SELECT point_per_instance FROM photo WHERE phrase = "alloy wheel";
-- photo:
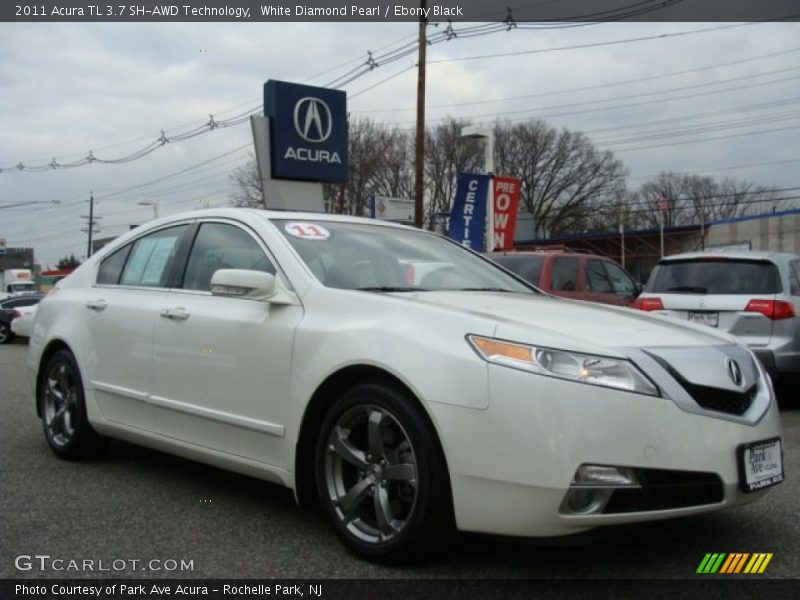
(370, 473)
(60, 402)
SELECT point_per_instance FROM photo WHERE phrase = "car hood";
(572, 324)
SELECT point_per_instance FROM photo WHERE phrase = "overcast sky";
(721, 101)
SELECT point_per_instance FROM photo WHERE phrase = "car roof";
(233, 212)
(734, 254)
(502, 253)
(237, 213)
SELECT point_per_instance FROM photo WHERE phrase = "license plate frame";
(704, 317)
(760, 464)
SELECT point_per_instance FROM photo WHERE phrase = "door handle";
(97, 305)
(175, 314)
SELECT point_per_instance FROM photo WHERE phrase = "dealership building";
(639, 250)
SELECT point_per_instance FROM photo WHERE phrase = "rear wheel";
(66, 426)
(381, 476)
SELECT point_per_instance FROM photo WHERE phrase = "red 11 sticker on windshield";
(307, 231)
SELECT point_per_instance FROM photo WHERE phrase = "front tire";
(63, 406)
(6, 335)
(381, 476)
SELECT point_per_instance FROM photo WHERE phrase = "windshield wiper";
(389, 288)
(690, 289)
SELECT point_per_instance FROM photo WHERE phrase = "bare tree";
(379, 163)
(567, 184)
(565, 179)
(669, 188)
(446, 155)
(692, 199)
(246, 184)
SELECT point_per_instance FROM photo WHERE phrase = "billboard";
(308, 131)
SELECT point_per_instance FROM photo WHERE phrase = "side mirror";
(255, 285)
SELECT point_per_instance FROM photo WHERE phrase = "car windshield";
(367, 257)
(715, 276)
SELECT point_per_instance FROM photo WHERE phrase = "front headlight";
(608, 372)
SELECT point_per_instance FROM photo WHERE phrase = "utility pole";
(90, 224)
(420, 142)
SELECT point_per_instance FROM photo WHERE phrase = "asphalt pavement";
(140, 505)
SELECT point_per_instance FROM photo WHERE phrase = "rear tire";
(64, 419)
(381, 476)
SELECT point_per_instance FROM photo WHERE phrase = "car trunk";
(728, 294)
(724, 312)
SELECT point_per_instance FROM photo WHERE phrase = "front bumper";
(512, 464)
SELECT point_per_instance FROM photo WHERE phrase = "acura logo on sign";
(312, 119)
(734, 372)
(308, 131)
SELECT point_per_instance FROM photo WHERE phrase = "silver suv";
(754, 296)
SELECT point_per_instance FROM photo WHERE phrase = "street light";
(153, 203)
(474, 132)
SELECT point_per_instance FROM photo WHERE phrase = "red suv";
(572, 275)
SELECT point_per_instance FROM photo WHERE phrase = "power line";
(371, 63)
(663, 96)
(588, 45)
(718, 169)
(182, 171)
(588, 87)
(707, 139)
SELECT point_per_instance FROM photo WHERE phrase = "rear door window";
(597, 280)
(622, 283)
(715, 276)
(151, 257)
(564, 274)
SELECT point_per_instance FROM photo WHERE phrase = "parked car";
(22, 320)
(572, 275)
(754, 296)
(7, 308)
(292, 347)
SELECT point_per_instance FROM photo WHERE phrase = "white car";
(22, 323)
(293, 348)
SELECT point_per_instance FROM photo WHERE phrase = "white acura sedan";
(307, 350)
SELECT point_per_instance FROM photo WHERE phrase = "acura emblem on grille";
(734, 372)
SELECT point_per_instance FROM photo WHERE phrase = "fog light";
(605, 476)
(582, 500)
